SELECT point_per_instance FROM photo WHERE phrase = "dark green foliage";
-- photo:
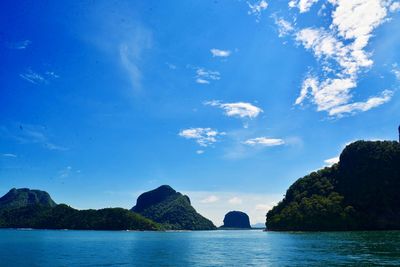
(236, 219)
(361, 192)
(65, 217)
(17, 198)
(25, 208)
(172, 209)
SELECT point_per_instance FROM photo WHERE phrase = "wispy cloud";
(220, 53)
(210, 199)
(372, 102)
(284, 26)
(19, 45)
(30, 134)
(235, 201)
(264, 142)
(396, 71)
(33, 77)
(131, 51)
(65, 172)
(204, 76)
(237, 109)
(9, 155)
(203, 136)
(256, 8)
(171, 66)
(37, 78)
(395, 6)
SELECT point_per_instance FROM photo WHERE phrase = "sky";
(227, 101)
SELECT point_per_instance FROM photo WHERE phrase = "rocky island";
(171, 209)
(26, 208)
(361, 192)
(236, 220)
(160, 209)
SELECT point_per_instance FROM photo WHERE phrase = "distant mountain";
(172, 209)
(361, 192)
(18, 198)
(25, 208)
(236, 220)
(258, 225)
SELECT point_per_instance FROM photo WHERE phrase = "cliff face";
(236, 219)
(358, 193)
(23, 197)
(172, 209)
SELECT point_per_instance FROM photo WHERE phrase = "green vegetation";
(17, 198)
(172, 209)
(358, 193)
(25, 208)
(65, 217)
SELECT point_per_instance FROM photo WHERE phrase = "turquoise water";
(213, 248)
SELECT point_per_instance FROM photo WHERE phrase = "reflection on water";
(213, 248)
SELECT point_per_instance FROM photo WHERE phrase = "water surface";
(209, 248)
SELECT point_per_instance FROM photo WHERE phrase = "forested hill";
(26, 208)
(361, 192)
(172, 209)
(17, 198)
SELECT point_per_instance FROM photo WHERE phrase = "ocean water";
(209, 248)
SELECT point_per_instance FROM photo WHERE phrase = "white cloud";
(395, 6)
(202, 81)
(264, 207)
(52, 74)
(203, 136)
(302, 5)
(284, 26)
(264, 141)
(331, 161)
(396, 71)
(30, 134)
(9, 155)
(204, 76)
(238, 109)
(64, 173)
(200, 152)
(171, 66)
(372, 102)
(19, 45)
(36, 78)
(340, 48)
(235, 201)
(33, 77)
(131, 50)
(220, 53)
(327, 95)
(257, 8)
(210, 199)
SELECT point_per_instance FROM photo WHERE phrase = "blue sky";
(227, 101)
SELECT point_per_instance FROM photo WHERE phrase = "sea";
(26, 247)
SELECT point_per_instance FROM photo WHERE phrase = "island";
(26, 208)
(361, 192)
(170, 208)
(236, 220)
(160, 209)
